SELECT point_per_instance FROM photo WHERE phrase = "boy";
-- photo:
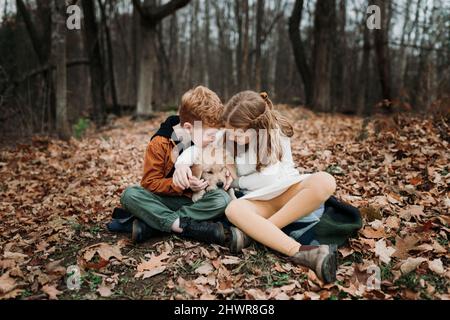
(162, 202)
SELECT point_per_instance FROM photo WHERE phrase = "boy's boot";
(204, 231)
(122, 221)
(321, 259)
(141, 232)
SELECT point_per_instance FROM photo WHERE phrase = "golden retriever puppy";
(214, 166)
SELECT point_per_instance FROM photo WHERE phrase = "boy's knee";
(218, 199)
(128, 195)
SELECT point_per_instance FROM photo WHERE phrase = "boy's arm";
(154, 179)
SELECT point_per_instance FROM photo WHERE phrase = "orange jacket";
(158, 163)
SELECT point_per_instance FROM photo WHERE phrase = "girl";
(275, 193)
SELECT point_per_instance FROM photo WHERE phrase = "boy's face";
(201, 135)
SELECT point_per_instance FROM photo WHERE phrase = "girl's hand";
(181, 177)
(197, 184)
(228, 181)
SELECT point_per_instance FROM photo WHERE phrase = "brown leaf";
(205, 268)
(153, 266)
(412, 212)
(403, 246)
(7, 283)
(104, 291)
(371, 233)
(51, 291)
(255, 294)
(411, 264)
(104, 250)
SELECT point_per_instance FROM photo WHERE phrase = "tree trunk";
(92, 44)
(245, 46)
(109, 51)
(151, 15)
(59, 58)
(207, 59)
(299, 51)
(146, 71)
(323, 30)
(340, 81)
(364, 75)
(259, 25)
(381, 37)
(239, 53)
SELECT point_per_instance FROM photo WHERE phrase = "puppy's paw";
(198, 195)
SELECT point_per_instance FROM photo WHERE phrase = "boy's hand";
(181, 177)
(228, 182)
(197, 184)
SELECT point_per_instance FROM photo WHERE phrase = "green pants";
(160, 212)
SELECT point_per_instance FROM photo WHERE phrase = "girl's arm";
(269, 174)
(257, 180)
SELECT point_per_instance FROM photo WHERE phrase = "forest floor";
(55, 198)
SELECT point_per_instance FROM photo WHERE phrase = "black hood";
(166, 129)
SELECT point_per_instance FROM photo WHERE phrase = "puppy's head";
(214, 167)
(214, 175)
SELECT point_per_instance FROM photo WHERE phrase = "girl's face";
(240, 136)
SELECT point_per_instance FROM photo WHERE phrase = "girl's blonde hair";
(250, 110)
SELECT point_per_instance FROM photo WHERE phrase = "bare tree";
(59, 58)
(323, 30)
(301, 59)
(92, 44)
(381, 37)
(150, 15)
(110, 55)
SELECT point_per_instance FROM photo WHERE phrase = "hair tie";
(264, 95)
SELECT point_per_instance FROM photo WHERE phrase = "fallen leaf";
(104, 250)
(393, 222)
(383, 252)
(231, 260)
(436, 266)
(51, 291)
(205, 268)
(7, 283)
(412, 212)
(371, 233)
(104, 291)
(255, 294)
(346, 251)
(411, 264)
(153, 266)
(403, 246)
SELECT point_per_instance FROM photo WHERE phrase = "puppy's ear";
(197, 170)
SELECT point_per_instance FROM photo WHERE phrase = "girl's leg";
(303, 198)
(252, 218)
(262, 220)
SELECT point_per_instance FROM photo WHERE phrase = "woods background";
(137, 57)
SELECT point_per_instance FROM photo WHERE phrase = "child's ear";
(187, 126)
